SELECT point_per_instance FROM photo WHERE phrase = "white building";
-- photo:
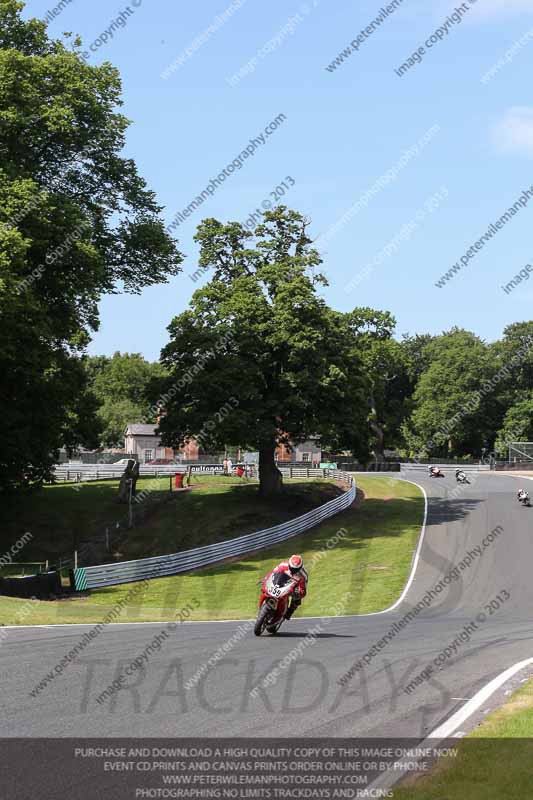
(142, 441)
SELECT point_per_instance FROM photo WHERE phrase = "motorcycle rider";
(295, 568)
(522, 495)
(430, 470)
(459, 474)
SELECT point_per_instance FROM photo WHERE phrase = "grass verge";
(371, 561)
(215, 509)
(492, 763)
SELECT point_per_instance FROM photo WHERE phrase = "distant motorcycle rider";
(295, 568)
(522, 495)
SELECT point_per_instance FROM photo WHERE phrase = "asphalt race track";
(306, 698)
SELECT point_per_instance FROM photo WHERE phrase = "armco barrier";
(159, 566)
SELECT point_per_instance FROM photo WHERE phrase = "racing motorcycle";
(273, 602)
(461, 477)
(436, 472)
(524, 498)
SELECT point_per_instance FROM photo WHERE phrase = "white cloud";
(514, 132)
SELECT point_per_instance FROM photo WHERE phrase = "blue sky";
(344, 129)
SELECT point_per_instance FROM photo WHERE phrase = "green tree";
(515, 351)
(517, 424)
(386, 367)
(513, 358)
(76, 222)
(259, 358)
(121, 385)
(114, 416)
(452, 415)
(417, 355)
(124, 376)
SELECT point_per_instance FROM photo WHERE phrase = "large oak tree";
(259, 358)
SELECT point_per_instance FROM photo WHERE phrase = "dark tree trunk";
(379, 447)
(270, 479)
(131, 473)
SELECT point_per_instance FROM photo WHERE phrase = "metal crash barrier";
(159, 566)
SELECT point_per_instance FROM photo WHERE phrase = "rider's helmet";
(295, 565)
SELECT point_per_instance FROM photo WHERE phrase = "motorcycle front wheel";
(261, 621)
(273, 629)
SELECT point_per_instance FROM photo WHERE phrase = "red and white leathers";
(302, 577)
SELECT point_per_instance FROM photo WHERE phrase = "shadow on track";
(297, 635)
(446, 509)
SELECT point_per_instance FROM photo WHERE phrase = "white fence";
(159, 566)
(95, 472)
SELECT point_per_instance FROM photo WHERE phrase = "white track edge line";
(415, 559)
(447, 728)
